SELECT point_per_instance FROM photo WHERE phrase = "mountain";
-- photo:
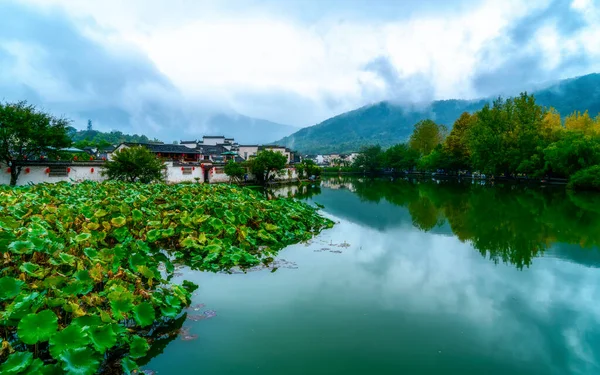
(247, 130)
(387, 123)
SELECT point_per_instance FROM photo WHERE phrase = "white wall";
(247, 151)
(37, 175)
(174, 174)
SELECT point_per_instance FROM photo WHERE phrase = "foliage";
(337, 170)
(134, 164)
(387, 124)
(101, 140)
(369, 159)
(426, 136)
(235, 171)
(456, 145)
(572, 152)
(400, 157)
(85, 271)
(27, 133)
(586, 179)
(264, 163)
(308, 168)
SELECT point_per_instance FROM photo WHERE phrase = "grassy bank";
(86, 267)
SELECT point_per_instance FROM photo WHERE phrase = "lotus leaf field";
(86, 267)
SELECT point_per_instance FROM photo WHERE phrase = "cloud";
(295, 62)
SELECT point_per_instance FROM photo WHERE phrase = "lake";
(415, 278)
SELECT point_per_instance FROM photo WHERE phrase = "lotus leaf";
(32, 269)
(100, 213)
(138, 347)
(129, 366)
(72, 337)
(144, 314)
(9, 287)
(118, 221)
(80, 361)
(82, 237)
(34, 328)
(103, 337)
(21, 247)
(16, 363)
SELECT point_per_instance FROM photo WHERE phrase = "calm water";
(429, 278)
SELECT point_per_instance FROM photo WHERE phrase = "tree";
(400, 157)
(27, 133)
(308, 168)
(134, 164)
(89, 125)
(573, 152)
(426, 136)
(235, 171)
(370, 159)
(264, 163)
(456, 145)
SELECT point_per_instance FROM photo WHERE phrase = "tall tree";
(27, 133)
(264, 163)
(426, 136)
(134, 164)
(89, 125)
(456, 145)
(400, 157)
(235, 171)
(369, 159)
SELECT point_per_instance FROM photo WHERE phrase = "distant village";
(201, 160)
(220, 149)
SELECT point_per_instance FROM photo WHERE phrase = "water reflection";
(508, 223)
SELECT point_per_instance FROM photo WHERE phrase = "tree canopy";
(235, 171)
(134, 164)
(264, 163)
(27, 133)
(426, 136)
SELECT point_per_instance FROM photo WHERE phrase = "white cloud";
(228, 51)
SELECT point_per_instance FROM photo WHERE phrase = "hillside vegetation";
(386, 123)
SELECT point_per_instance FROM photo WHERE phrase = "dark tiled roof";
(183, 142)
(165, 148)
(211, 150)
(213, 136)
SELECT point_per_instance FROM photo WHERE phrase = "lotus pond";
(86, 283)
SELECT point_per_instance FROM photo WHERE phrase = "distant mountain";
(247, 130)
(387, 123)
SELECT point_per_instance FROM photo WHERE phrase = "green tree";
(27, 133)
(134, 164)
(400, 157)
(235, 171)
(89, 126)
(456, 145)
(370, 159)
(572, 152)
(308, 168)
(264, 163)
(426, 136)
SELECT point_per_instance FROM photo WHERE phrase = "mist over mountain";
(387, 123)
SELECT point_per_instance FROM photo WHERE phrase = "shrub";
(586, 179)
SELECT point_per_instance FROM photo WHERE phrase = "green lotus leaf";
(170, 232)
(138, 347)
(129, 366)
(93, 226)
(200, 219)
(36, 367)
(54, 281)
(120, 303)
(82, 237)
(32, 269)
(55, 302)
(55, 369)
(67, 258)
(103, 337)
(118, 221)
(169, 311)
(34, 328)
(230, 216)
(21, 247)
(78, 288)
(16, 363)
(90, 253)
(9, 287)
(271, 227)
(80, 361)
(100, 213)
(146, 272)
(82, 275)
(153, 235)
(87, 321)
(72, 337)
(121, 234)
(144, 314)
(136, 260)
(137, 215)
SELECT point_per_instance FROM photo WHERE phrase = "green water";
(436, 278)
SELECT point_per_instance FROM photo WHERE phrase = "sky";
(161, 67)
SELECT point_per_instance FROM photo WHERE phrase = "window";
(186, 170)
(58, 171)
(206, 157)
(219, 170)
(245, 155)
